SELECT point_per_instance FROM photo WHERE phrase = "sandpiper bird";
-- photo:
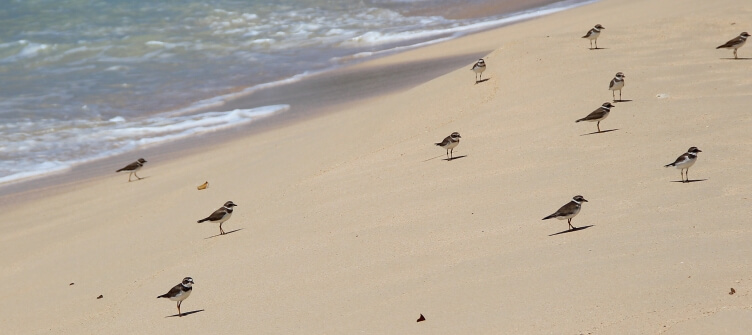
(593, 34)
(180, 292)
(221, 215)
(568, 211)
(735, 43)
(598, 114)
(616, 85)
(133, 167)
(449, 143)
(478, 68)
(685, 161)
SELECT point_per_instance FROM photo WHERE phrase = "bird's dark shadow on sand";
(626, 100)
(430, 159)
(600, 132)
(740, 58)
(482, 81)
(598, 48)
(135, 180)
(226, 233)
(688, 181)
(572, 230)
(185, 314)
(453, 158)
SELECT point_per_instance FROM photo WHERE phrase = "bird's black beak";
(584, 200)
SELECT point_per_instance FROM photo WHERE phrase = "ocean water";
(86, 79)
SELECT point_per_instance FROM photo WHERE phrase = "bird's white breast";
(182, 295)
(565, 217)
(686, 164)
(225, 218)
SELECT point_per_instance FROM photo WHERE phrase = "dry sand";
(352, 223)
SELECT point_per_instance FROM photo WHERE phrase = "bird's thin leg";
(221, 231)
(569, 221)
(687, 174)
(596, 44)
(447, 153)
(481, 76)
(599, 126)
(179, 314)
(591, 44)
(129, 176)
(451, 153)
(735, 54)
(136, 174)
(613, 95)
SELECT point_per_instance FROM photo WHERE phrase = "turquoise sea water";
(86, 79)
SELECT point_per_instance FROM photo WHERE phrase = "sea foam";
(88, 140)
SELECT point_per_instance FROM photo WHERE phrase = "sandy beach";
(351, 221)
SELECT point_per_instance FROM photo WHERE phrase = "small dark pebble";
(71, 284)
(732, 291)
(100, 296)
(421, 318)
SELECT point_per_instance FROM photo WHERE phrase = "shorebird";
(616, 85)
(221, 215)
(449, 143)
(685, 161)
(598, 115)
(735, 43)
(568, 211)
(180, 292)
(478, 68)
(133, 167)
(593, 34)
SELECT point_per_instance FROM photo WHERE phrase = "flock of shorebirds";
(572, 208)
(182, 290)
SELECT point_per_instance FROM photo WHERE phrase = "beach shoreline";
(170, 122)
(351, 219)
(341, 86)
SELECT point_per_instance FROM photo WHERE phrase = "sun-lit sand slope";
(353, 223)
